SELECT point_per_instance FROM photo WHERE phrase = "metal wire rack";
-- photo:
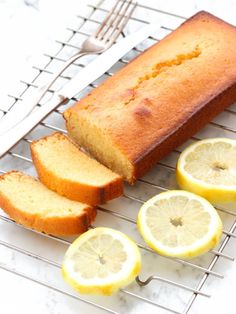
(159, 273)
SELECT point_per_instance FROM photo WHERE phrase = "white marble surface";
(27, 30)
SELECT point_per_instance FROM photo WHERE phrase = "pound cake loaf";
(65, 169)
(160, 99)
(31, 204)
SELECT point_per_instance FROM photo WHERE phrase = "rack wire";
(120, 213)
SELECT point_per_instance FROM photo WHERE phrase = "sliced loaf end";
(99, 144)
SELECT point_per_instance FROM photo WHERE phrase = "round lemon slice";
(101, 261)
(179, 224)
(208, 168)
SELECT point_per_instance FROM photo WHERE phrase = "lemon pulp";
(208, 168)
(179, 224)
(101, 261)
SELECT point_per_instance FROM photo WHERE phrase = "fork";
(98, 42)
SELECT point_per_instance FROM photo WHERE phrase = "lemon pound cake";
(31, 204)
(64, 168)
(160, 99)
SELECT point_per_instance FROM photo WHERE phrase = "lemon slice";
(179, 224)
(101, 261)
(208, 168)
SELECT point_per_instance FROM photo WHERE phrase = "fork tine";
(118, 15)
(121, 16)
(104, 23)
(116, 32)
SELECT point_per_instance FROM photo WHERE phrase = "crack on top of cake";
(162, 67)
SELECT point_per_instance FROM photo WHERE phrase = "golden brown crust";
(54, 225)
(167, 94)
(75, 190)
(190, 127)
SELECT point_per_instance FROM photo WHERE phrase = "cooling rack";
(161, 279)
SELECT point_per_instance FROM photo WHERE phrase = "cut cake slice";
(30, 203)
(64, 168)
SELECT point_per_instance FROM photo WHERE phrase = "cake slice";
(160, 99)
(64, 168)
(31, 204)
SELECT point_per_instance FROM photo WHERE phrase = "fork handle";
(43, 89)
(18, 113)
(19, 130)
